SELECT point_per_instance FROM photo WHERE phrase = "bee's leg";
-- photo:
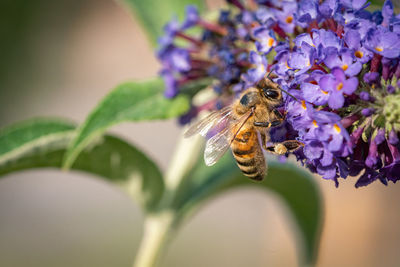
(267, 124)
(278, 114)
(284, 147)
(264, 139)
(280, 148)
(274, 123)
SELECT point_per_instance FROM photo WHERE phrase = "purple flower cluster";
(339, 61)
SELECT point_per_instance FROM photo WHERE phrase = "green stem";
(157, 231)
(158, 227)
(185, 157)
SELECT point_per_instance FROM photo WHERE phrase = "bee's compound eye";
(244, 100)
(270, 93)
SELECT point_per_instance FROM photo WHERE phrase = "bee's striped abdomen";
(248, 154)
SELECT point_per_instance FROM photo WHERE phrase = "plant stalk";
(185, 157)
(157, 231)
(158, 227)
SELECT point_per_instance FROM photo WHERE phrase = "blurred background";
(59, 58)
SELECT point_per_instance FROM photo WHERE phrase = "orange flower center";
(270, 41)
(337, 128)
(339, 86)
(315, 123)
(379, 48)
(289, 19)
(303, 104)
(324, 92)
(359, 54)
(345, 67)
(254, 24)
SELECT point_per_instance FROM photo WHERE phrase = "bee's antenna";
(268, 75)
(289, 94)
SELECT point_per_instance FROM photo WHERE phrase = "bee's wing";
(217, 145)
(203, 126)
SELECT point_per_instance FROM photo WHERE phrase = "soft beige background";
(78, 51)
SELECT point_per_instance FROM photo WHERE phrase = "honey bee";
(242, 125)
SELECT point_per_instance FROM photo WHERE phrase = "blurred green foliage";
(153, 14)
(22, 24)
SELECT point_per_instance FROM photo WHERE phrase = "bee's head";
(272, 94)
(270, 91)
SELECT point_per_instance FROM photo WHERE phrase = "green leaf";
(293, 185)
(43, 143)
(154, 14)
(128, 102)
(17, 139)
(377, 3)
(192, 88)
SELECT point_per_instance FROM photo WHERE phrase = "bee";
(244, 127)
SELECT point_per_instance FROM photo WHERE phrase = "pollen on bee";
(345, 67)
(339, 86)
(337, 128)
(359, 54)
(303, 104)
(379, 48)
(289, 19)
